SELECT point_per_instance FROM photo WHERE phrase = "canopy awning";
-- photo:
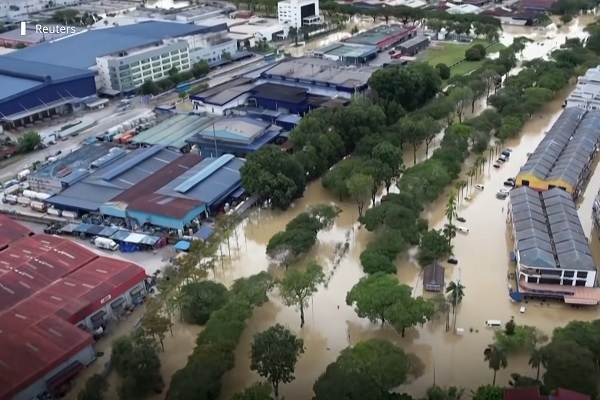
(64, 376)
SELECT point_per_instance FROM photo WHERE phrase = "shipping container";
(43, 196)
(12, 190)
(23, 200)
(70, 214)
(23, 174)
(38, 206)
(54, 211)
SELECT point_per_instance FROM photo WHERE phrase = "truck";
(38, 206)
(70, 214)
(24, 201)
(23, 174)
(104, 243)
(54, 211)
(124, 105)
(9, 199)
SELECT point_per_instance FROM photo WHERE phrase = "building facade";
(586, 94)
(298, 13)
(19, 10)
(127, 70)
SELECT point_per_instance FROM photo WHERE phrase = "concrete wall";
(220, 109)
(82, 87)
(85, 356)
(214, 52)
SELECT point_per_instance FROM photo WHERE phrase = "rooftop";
(433, 276)
(81, 158)
(235, 129)
(35, 262)
(564, 152)
(224, 93)
(587, 89)
(548, 231)
(414, 41)
(533, 393)
(378, 34)
(350, 50)
(11, 231)
(314, 70)
(112, 179)
(173, 132)
(32, 36)
(37, 334)
(143, 197)
(281, 93)
(210, 181)
(100, 42)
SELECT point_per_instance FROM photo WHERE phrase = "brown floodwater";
(483, 268)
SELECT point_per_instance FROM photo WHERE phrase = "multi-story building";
(126, 70)
(19, 10)
(298, 13)
(552, 253)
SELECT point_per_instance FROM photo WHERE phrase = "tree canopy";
(198, 300)
(298, 286)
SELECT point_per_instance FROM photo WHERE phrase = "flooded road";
(483, 268)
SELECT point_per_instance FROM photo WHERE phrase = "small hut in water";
(433, 277)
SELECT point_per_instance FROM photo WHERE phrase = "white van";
(480, 187)
(493, 323)
(462, 229)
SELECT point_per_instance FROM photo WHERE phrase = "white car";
(462, 229)
(503, 190)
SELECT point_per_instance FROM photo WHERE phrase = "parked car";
(452, 261)
(461, 219)
(509, 183)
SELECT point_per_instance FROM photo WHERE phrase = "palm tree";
(456, 294)
(471, 174)
(496, 359)
(450, 232)
(449, 228)
(536, 360)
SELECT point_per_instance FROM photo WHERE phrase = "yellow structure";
(563, 157)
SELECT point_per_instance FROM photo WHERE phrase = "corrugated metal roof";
(548, 231)
(104, 41)
(12, 85)
(567, 148)
(37, 334)
(11, 231)
(219, 184)
(174, 131)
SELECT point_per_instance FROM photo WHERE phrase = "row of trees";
(174, 78)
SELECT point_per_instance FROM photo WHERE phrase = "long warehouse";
(553, 255)
(563, 157)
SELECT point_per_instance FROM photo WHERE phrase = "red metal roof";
(47, 283)
(564, 394)
(11, 231)
(35, 262)
(143, 197)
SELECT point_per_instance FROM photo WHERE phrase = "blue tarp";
(182, 245)
(516, 296)
(204, 232)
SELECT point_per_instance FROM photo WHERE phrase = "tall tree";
(456, 293)
(297, 287)
(359, 187)
(274, 355)
(95, 388)
(368, 370)
(496, 359)
(433, 247)
(390, 156)
(258, 391)
(570, 366)
(461, 97)
(373, 296)
(536, 359)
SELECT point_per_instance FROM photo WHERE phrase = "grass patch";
(454, 52)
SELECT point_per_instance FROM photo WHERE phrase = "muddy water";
(483, 268)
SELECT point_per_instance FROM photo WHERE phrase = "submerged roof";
(548, 230)
(567, 147)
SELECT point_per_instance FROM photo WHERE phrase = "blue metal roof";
(213, 188)
(42, 70)
(104, 41)
(12, 86)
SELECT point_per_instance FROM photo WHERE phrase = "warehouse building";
(414, 46)
(51, 78)
(179, 193)
(239, 136)
(173, 132)
(384, 37)
(551, 250)
(11, 231)
(347, 53)
(119, 171)
(56, 294)
(586, 94)
(563, 158)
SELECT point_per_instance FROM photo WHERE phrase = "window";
(569, 274)
(525, 183)
(551, 187)
(568, 282)
(582, 274)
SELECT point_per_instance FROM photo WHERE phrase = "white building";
(128, 70)
(260, 29)
(586, 94)
(19, 10)
(298, 13)
(463, 9)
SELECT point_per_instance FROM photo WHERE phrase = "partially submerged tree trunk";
(301, 316)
